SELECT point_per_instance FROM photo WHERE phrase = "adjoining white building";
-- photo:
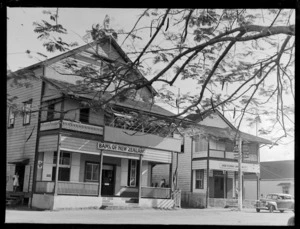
(208, 168)
(275, 177)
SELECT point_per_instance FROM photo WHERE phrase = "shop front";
(221, 182)
(90, 170)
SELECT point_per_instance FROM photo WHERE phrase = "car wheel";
(271, 208)
(291, 221)
(281, 211)
(257, 210)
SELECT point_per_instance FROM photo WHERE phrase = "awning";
(19, 161)
(284, 184)
(228, 134)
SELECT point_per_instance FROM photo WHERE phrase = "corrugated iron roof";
(67, 88)
(275, 170)
(225, 133)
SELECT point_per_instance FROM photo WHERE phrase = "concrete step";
(13, 201)
(114, 207)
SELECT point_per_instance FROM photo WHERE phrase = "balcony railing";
(71, 125)
(44, 187)
(77, 188)
(153, 192)
(68, 188)
(126, 122)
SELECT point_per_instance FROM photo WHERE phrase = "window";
(199, 179)
(132, 170)
(229, 146)
(200, 144)
(285, 189)
(64, 158)
(11, 118)
(84, 115)
(63, 174)
(91, 171)
(26, 110)
(50, 114)
(64, 166)
(182, 147)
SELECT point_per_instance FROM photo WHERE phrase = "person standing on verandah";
(16, 181)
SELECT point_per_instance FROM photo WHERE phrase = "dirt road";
(210, 216)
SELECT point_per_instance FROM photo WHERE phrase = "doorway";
(20, 169)
(218, 182)
(108, 180)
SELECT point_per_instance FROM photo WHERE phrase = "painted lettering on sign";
(120, 148)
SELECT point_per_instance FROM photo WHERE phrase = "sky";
(20, 37)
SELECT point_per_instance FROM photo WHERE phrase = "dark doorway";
(218, 187)
(108, 175)
(20, 169)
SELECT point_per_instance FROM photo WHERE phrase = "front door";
(107, 187)
(219, 187)
(20, 169)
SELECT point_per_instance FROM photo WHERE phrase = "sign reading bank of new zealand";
(120, 148)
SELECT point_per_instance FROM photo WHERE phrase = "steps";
(119, 203)
(13, 198)
(13, 201)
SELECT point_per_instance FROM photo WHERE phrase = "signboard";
(233, 166)
(120, 148)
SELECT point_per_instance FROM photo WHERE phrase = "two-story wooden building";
(208, 168)
(69, 155)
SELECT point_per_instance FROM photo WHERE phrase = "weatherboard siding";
(17, 146)
(184, 166)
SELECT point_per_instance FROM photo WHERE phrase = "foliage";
(237, 60)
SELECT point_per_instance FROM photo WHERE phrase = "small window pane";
(26, 109)
(199, 179)
(133, 166)
(92, 171)
(11, 118)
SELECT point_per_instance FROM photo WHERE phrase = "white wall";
(75, 167)
(47, 166)
(124, 171)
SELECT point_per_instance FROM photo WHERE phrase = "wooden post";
(192, 177)
(258, 186)
(225, 188)
(207, 175)
(140, 178)
(240, 195)
(171, 174)
(58, 145)
(176, 172)
(100, 172)
(57, 165)
(258, 175)
(35, 163)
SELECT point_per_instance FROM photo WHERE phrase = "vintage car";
(275, 201)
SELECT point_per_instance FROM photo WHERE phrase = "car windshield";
(269, 197)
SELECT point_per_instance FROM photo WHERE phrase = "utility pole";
(240, 189)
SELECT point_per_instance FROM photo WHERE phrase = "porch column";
(207, 175)
(258, 185)
(57, 165)
(171, 173)
(140, 178)
(61, 118)
(225, 188)
(100, 172)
